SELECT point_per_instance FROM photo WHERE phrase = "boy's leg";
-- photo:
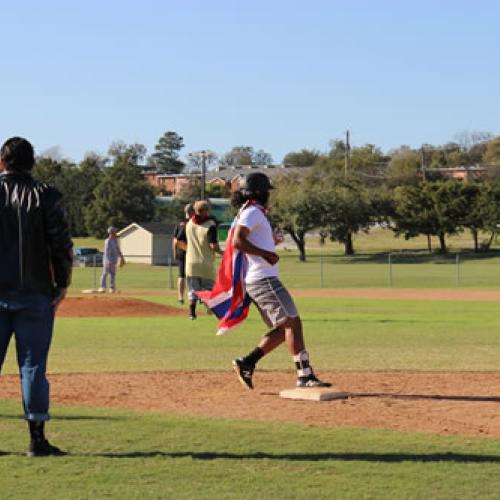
(33, 332)
(194, 284)
(104, 277)
(277, 309)
(5, 331)
(33, 326)
(112, 277)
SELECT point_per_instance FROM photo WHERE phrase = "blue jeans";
(30, 317)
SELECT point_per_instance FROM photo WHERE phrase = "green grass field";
(342, 334)
(130, 455)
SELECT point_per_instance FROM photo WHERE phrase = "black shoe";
(181, 301)
(311, 381)
(244, 372)
(43, 449)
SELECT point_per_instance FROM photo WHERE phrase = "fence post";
(170, 274)
(390, 270)
(457, 260)
(95, 271)
(321, 282)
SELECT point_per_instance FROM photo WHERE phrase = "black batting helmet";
(256, 183)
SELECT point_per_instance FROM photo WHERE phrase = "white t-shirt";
(261, 235)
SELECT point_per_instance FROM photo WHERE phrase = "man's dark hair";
(17, 154)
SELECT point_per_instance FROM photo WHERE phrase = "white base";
(313, 394)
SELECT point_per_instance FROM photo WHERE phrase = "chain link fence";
(380, 270)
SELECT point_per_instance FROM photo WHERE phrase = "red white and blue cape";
(228, 299)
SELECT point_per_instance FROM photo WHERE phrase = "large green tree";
(346, 209)
(302, 158)
(434, 208)
(404, 167)
(76, 183)
(166, 156)
(296, 207)
(121, 197)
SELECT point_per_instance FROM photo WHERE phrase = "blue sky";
(277, 75)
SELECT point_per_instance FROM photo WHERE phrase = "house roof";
(150, 227)
(231, 173)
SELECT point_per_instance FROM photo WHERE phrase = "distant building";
(462, 172)
(227, 176)
(147, 243)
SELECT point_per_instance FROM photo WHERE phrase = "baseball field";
(147, 405)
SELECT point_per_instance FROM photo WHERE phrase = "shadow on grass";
(308, 457)
(67, 417)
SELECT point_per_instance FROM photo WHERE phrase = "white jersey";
(261, 235)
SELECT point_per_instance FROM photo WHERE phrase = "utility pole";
(422, 163)
(203, 172)
(347, 155)
(201, 158)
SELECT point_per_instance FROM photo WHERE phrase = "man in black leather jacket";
(35, 271)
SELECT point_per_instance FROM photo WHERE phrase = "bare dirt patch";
(443, 403)
(98, 306)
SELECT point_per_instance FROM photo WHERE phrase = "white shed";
(147, 243)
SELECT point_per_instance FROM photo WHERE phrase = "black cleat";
(43, 449)
(244, 372)
(311, 381)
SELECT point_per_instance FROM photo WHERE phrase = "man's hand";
(60, 296)
(122, 261)
(271, 257)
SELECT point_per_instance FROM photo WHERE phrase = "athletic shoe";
(101, 290)
(311, 381)
(192, 317)
(244, 372)
(181, 301)
(43, 449)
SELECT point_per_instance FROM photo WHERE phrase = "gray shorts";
(272, 300)
(196, 284)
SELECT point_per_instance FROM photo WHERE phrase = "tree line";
(349, 191)
(345, 190)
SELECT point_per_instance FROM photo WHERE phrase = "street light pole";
(203, 172)
(201, 161)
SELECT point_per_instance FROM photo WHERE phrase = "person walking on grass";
(254, 236)
(199, 239)
(180, 253)
(35, 271)
(112, 255)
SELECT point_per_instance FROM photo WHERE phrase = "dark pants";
(30, 318)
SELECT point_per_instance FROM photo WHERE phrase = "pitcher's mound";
(81, 307)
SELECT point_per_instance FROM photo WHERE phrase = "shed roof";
(150, 227)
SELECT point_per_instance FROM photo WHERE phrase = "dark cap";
(256, 182)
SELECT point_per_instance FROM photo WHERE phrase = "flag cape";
(228, 299)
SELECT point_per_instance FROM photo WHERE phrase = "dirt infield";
(443, 403)
(98, 306)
